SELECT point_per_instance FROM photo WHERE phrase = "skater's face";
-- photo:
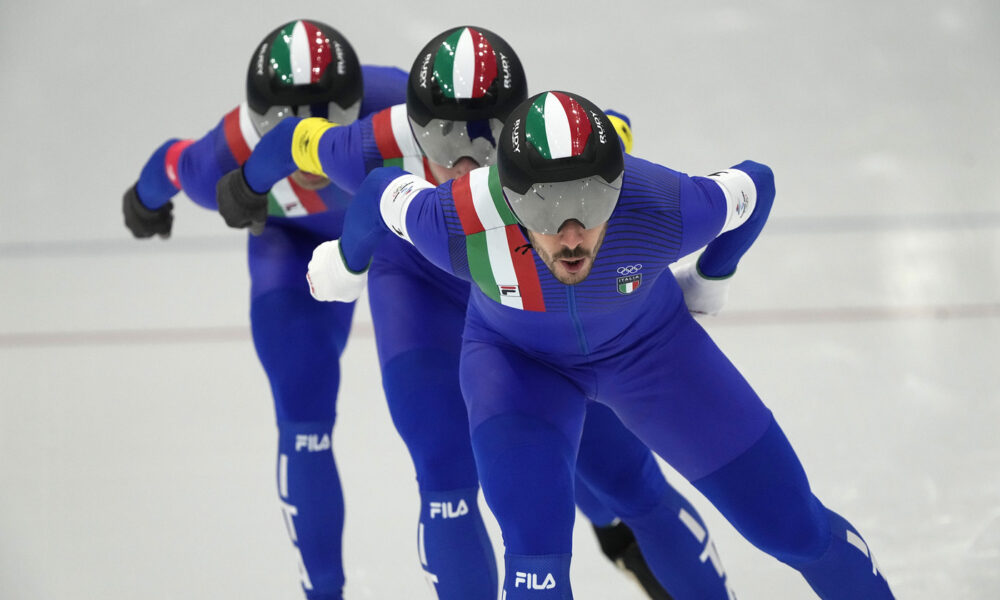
(461, 167)
(310, 181)
(570, 252)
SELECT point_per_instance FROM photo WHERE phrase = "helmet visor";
(445, 142)
(546, 206)
(330, 111)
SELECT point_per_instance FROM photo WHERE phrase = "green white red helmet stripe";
(557, 126)
(493, 238)
(465, 65)
(300, 53)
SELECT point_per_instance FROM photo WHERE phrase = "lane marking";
(791, 316)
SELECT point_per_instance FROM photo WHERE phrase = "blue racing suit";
(536, 353)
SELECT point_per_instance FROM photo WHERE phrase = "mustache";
(573, 254)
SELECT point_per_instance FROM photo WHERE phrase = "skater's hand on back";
(329, 277)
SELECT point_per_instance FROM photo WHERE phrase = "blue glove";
(722, 254)
(271, 159)
(363, 225)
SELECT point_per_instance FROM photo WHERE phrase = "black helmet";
(462, 86)
(303, 68)
(560, 159)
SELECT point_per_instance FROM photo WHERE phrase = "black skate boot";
(619, 545)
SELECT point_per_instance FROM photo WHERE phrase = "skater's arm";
(390, 201)
(191, 166)
(321, 147)
(734, 204)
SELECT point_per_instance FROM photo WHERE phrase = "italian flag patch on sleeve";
(289, 199)
(500, 260)
(395, 142)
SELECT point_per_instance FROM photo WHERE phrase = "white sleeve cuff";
(396, 200)
(741, 196)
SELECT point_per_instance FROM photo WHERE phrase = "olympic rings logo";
(629, 270)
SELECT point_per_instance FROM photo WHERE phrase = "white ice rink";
(136, 427)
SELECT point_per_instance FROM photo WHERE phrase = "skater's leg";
(299, 342)
(418, 325)
(526, 423)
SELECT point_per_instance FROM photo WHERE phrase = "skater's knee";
(629, 478)
(429, 413)
(764, 493)
(534, 507)
(801, 538)
(630, 488)
(299, 347)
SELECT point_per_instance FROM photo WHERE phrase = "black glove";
(144, 222)
(239, 205)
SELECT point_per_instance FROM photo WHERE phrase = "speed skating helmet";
(559, 160)
(307, 69)
(462, 86)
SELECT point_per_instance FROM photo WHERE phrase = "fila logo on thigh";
(530, 581)
(446, 510)
(312, 442)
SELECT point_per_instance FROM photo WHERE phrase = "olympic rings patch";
(629, 269)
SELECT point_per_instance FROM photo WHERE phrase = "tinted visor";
(444, 142)
(546, 206)
(330, 111)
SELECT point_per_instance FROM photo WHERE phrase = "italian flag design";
(286, 198)
(300, 53)
(241, 137)
(629, 284)
(395, 142)
(465, 65)
(557, 126)
(495, 246)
